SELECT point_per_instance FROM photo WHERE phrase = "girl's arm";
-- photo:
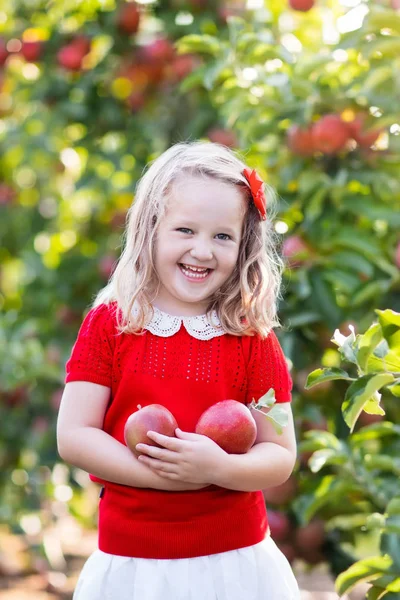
(196, 458)
(268, 463)
(82, 442)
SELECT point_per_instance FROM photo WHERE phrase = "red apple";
(55, 399)
(300, 140)
(136, 101)
(7, 194)
(364, 137)
(3, 52)
(181, 67)
(330, 134)
(107, 265)
(128, 18)
(279, 525)
(226, 137)
(153, 417)
(295, 250)
(160, 50)
(230, 424)
(118, 220)
(53, 354)
(83, 43)
(310, 536)
(303, 5)
(231, 8)
(70, 57)
(281, 494)
(67, 316)
(32, 51)
(288, 550)
(16, 397)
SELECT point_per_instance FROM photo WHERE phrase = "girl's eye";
(223, 236)
(185, 230)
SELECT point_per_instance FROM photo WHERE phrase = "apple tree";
(310, 89)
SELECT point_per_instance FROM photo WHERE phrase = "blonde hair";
(247, 301)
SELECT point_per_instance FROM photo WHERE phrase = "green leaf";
(321, 439)
(393, 508)
(349, 238)
(329, 491)
(376, 593)
(376, 78)
(393, 524)
(358, 394)
(324, 457)
(265, 401)
(346, 259)
(389, 47)
(380, 18)
(329, 374)
(194, 43)
(372, 407)
(390, 323)
(366, 569)
(382, 462)
(278, 417)
(390, 544)
(367, 344)
(375, 431)
(395, 388)
(370, 291)
(309, 64)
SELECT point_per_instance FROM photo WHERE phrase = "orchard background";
(308, 90)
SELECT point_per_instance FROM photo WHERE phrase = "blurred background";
(309, 92)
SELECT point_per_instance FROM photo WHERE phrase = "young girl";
(185, 321)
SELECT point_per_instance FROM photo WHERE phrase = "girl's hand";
(188, 457)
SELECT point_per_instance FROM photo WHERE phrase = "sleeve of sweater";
(267, 368)
(91, 357)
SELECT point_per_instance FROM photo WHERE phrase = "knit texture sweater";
(187, 376)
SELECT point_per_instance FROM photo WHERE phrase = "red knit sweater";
(187, 376)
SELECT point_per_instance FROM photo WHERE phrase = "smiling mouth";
(194, 272)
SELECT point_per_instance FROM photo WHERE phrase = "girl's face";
(197, 243)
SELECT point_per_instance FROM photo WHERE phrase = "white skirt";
(259, 572)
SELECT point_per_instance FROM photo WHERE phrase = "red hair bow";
(256, 187)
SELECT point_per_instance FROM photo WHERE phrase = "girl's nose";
(201, 251)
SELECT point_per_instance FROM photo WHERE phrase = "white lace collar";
(199, 327)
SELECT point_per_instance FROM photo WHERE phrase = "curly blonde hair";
(247, 302)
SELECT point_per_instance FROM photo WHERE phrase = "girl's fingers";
(171, 443)
(155, 452)
(158, 465)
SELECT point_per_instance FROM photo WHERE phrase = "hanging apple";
(279, 525)
(71, 56)
(364, 137)
(295, 250)
(302, 5)
(32, 51)
(3, 52)
(300, 140)
(128, 18)
(226, 137)
(330, 134)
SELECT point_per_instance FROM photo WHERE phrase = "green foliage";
(367, 467)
